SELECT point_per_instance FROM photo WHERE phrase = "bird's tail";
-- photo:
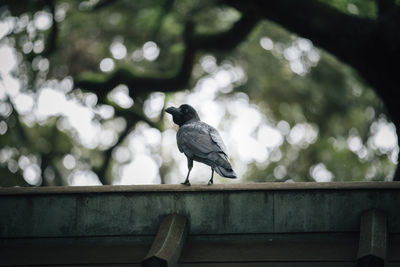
(225, 172)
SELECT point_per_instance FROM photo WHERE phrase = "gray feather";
(203, 143)
(199, 138)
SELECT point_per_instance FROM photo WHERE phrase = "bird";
(200, 142)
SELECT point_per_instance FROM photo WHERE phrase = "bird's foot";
(187, 183)
(210, 182)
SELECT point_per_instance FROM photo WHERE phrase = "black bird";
(200, 142)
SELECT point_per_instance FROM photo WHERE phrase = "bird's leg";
(212, 175)
(190, 166)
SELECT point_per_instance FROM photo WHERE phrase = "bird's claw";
(210, 182)
(187, 183)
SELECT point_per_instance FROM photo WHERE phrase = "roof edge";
(271, 186)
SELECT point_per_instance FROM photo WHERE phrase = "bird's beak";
(172, 110)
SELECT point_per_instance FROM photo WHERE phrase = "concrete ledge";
(218, 209)
(199, 188)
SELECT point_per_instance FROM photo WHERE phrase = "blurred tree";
(118, 57)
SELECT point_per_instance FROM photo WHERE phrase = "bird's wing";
(216, 137)
(199, 139)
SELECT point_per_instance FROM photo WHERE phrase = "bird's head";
(184, 114)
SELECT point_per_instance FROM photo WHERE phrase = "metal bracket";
(372, 249)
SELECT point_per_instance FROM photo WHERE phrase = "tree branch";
(52, 37)
(101, 84)
(102, 4)
(343, 35)
(229, 39)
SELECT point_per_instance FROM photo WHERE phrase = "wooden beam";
(372, 248)
(168, 243)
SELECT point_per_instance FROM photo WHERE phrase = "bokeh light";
(266, 139)
(107, 65)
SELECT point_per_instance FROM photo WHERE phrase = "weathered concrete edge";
(209, 212)
(200, 188)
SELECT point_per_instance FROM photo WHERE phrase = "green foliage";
(330, 96)
(365, 8)
(323, 95)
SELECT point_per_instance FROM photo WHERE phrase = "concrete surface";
(217, 209)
